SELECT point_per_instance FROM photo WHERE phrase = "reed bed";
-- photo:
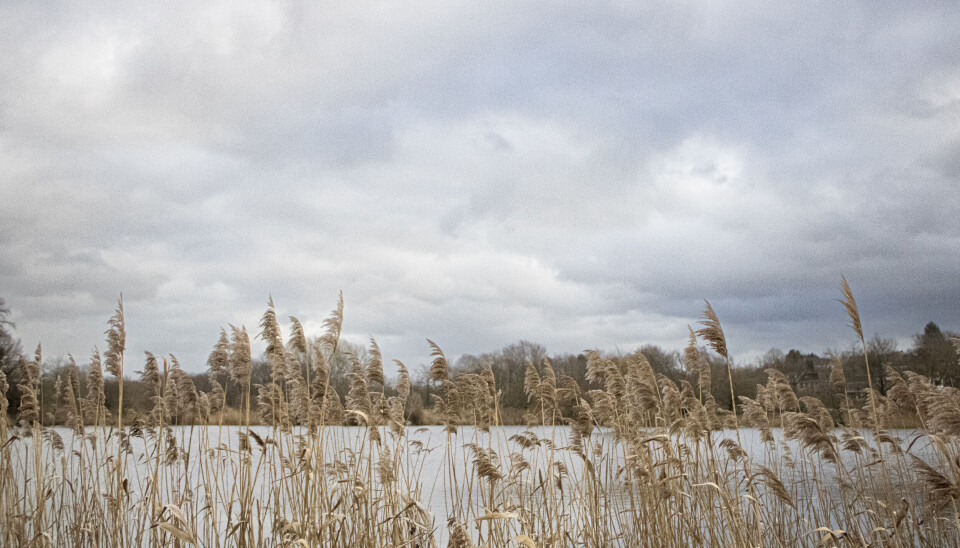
(640, 461)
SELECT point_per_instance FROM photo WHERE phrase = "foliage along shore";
(933, 355)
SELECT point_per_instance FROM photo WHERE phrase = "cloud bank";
(479, 173)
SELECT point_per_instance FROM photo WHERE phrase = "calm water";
(432, 457)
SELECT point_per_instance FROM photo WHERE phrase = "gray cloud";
(479, 173)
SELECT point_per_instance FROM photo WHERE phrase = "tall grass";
(639, 461)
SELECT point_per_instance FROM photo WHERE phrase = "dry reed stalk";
(29, 411)
(113, 362)
(333, 326)
(712, 332)
(663, 472)
(850, 304)
(547, 394)
(95, 395)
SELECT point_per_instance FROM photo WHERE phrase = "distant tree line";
(934, 354)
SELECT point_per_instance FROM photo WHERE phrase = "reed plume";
(713, 334)
(648, 396)
(922, 391)
(850, 304)
(613, 380)
(318, 385)
(531, 383)
(358, 398)
(439, 371)
(449, 406)
(270, 334)
(604, 407)
(187, 399)
(548, 390)
(403, 380)
(216, 398)
(171, 394)
(59, 403)
(696, 365)
(71, 390)
(95, 395)
(73, 377)
(838, 380)
(271, 406)
(241, 363)
(375, 364)
(755, 416)
(779, 388)
(671, 399)
(218, 362)
(711, 331)
(458, 535)
(333, 408)
(581, 426)
(204, 407)
(297, 389)
(596, 367)
(151, 377)
(807, 430)
(943, 410)
(899, 392)
(333, 326)
(490, 378)
(818, 411)
(298, 341)
(116, 342)
(29, 412)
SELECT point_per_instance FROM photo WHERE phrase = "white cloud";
(477, 173)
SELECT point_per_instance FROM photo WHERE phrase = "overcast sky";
(581, 175)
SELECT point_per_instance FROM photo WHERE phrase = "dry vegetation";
(643, 461)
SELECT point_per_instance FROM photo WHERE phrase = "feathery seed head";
(531, 384)
(241, 362)
(439, 371)
(375, 363)
(219, 359)
(596, 368)
(403, 380)
(850, 304)
(116, 342)
(691, 354)
(333, 326)
(270, 334)
(29, 405)
(489, 377)
(298, 341)
(711, 331)
(95, 395)
(318, 386)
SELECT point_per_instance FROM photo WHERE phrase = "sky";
(580, 175)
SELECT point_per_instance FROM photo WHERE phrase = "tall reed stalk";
(633, 459)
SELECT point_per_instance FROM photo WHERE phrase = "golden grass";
(641, 461)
